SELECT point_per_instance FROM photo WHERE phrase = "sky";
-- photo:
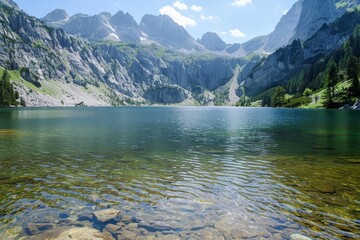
(235, 21)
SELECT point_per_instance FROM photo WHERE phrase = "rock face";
(212, 42)
(56, 15)
(285, 29)
(165, 95)
(314, 14)
(166, 32)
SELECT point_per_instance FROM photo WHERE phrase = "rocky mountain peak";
(212, 42)
(122, 19)
(56, 15)
(167, 32)
(105, 15)
(126, 27)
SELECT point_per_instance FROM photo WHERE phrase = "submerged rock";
(106, 215)
(299, 237)
(66, 233)
(113, 229)
(325, 188)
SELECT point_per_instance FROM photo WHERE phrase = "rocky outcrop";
(168, 95)
(166, 32)
(212, 42)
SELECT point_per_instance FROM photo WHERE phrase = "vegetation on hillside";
(8, 96)
(331, 81)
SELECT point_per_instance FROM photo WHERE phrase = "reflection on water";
(188, 172)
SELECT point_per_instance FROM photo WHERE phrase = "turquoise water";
(193, 172)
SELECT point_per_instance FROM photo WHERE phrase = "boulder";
(106, 215)
(66, 233)
(346, 106)
(356, 106)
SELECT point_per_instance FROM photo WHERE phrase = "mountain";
(55, 68)
(120, 27)
(285, 29)
(95, 27)
(163, 30)
(212, 42)
(302, 21)
(126, 27)
(315, 13)
(280, 66)
(56, 16)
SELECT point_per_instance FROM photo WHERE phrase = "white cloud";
(240, 3)
(196, 8)
(285, 11)
(203, 17)
(223, 33)
(177, 16)
(237, 33)
(180, 5)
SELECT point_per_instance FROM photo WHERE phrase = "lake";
(184, 172)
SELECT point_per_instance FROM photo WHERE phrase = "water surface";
(191, 172)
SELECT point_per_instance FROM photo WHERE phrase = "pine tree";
(352, 72)
(278, 97)
(8, 97)
(266, 101)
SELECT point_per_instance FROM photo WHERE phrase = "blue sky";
(235, 21)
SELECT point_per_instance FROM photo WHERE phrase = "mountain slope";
(166, 32)
(59, 67)
(285, 29)
(278, 68)
(212, 42)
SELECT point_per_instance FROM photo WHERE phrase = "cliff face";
(281, 65)
(285, 29)
(314, 14)
(42, 53)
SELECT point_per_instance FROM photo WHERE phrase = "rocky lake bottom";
(179, 173)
